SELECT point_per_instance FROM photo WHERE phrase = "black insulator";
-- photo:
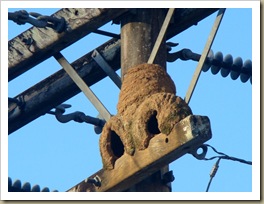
(46, 189)
(246, 71)
(218, 57)
(17, 184)
(236, 68)
(227, 65)
(26, 187)
(9, 181)
(207, 63)
(35, 188)
(228, 60)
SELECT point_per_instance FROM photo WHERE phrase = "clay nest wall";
(147, 106)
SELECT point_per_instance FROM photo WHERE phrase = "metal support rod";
(107, 69)
(206, 50)
(161, 35)
(83, 86)
(102, 32)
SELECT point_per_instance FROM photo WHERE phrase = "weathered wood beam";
(186, 136)
(57, 88)
(46, 42)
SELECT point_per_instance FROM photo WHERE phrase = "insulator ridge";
(218, 63)
(227, 66)
(17, 186)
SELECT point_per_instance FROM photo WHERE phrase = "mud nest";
(147, 106)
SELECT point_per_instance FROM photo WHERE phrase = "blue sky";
(59, 156)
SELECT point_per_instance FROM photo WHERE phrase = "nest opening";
(117, 145)
(152, 124)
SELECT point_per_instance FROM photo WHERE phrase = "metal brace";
(83, 86)
(206, 50)
(106, 67)
(161, 36)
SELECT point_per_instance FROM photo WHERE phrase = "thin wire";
(225, 156)
(213, 173)
(215, 150)
(216, 166)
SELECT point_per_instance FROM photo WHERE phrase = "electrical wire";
(225, 156)
(216, 165)
(213, 173)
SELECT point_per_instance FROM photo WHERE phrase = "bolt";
(94, 54)
(168, 177)
(96, 181)
(68, 29)
(28, 41)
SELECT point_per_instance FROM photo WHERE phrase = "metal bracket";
(83, 86)
(199, 156)
(106, 67)
(76, 116)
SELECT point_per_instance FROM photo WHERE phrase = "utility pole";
(144, 168)
(139, 32)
